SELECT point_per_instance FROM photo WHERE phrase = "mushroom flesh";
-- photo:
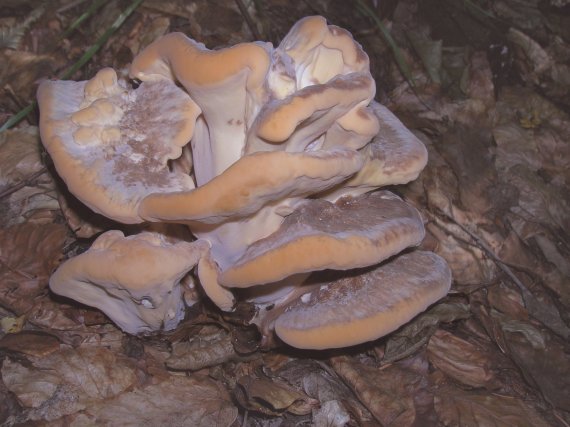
(274, 159)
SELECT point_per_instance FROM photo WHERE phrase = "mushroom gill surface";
(273, 157)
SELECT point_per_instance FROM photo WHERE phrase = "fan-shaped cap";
(319, 79)
(351, 233)
(394, 156)
(111, 145)
(308, 113)
(321, 51)
(252, 182)
(365, 305)
(135, 280)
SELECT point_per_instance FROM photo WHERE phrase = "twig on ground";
(26, 182)
(536, 308)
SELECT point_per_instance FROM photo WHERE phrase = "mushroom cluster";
(272, 157)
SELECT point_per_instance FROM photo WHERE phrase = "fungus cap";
(365, 305)
(134, 280)
(111, 145)
(351, 233)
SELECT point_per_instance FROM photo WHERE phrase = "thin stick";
(28, 181)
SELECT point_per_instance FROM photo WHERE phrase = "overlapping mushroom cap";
(286, 146)
(135, 280)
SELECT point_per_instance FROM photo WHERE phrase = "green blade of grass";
(400, 60)
(479, 10)
(15, 119)
(102, 40)
(80, 63)
(90, 11)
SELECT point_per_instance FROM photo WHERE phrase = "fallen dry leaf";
(21, 70)
(272, 397)
(26, 188)
(331, 414)
(460, 408)
(469, 265)
(542, 356)
(320, 382)
(36, 344)
(389, 393)
(19, 155)
(177, 401)
(65, 382)
(213, 347)
(97, 386)
(461, 360)
(28, 255)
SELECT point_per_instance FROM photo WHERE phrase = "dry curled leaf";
(507, 301)
(202, 351)
(19, 155)
(461, 360)
(22, 69)
(176, 401)
(26, 189)
(67, 381)
(320, 382)
(30, 343)
(11, 325)
(272, 397)
(331, 414)
(542, 357)
(28, 254)
(390, 393)
(468, 263)
(459, 408)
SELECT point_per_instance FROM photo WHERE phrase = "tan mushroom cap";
(227, 84)
(111, 145)
(352, 233)
(308, 113)
(135, 280)
(178, 57)
(322, 51)
(367, 305)
(320, 78)
(394, 156)
(353, 130)
(252, 182)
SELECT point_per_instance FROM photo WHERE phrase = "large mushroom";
(272, 157)
(135, 280)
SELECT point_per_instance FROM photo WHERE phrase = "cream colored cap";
(134, 280)
(363, 306)
(111, 145)
(351, 233)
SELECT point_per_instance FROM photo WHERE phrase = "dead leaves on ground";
(28, 254)
(97, 386)
(494, 196)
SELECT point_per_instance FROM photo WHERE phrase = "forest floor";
(484, 84)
